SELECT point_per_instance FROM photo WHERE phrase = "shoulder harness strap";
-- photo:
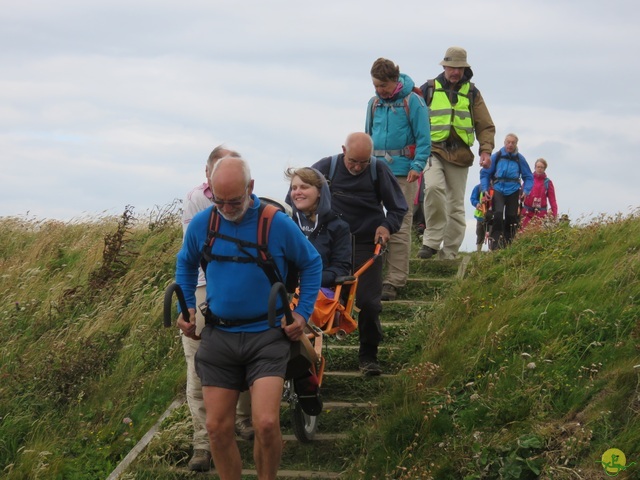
(264, 259)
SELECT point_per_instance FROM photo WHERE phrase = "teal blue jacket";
(392, 129)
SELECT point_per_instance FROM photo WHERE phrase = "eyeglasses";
(354, 163)
(234, 202)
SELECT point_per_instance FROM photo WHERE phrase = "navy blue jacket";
(361, 202)
(331, 236)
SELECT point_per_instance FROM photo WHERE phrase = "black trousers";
(368, 296)
(481, 231)
(505, 218)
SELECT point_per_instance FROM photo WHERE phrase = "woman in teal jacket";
(398, 122)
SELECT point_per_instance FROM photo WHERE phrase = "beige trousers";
(445, 185)
(396, 262)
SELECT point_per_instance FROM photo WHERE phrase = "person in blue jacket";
(483, 216)
(512, 180)
(239, 349)
(398, 122)
(310, 200)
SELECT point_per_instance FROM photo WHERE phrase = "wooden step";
(434, 267)
(333, 405)
(424, 289)
(183, 472)
(357, 347)
(295, 474)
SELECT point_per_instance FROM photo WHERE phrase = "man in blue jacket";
(508, 169)
(239, 349)
(361, 196)
(398, 122)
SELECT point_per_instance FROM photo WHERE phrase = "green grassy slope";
(524, 370)
(529, 369)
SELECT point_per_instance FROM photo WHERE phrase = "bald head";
(359, 143)
(232, 187)
(230, 169)
(357, 149)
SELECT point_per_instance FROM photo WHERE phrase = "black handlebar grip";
(168, 297)
(278, 289)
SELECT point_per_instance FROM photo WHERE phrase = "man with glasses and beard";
(198, 199)
(239, 349)
(360, 196)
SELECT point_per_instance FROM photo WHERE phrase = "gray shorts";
(235, 360)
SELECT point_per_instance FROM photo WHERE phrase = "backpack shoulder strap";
(214, 224)
(373, 168)
(266, 213)
(472, 93)
(405, 100)
(375, 101)
(374, 171)
(332, 167)
(427, 93)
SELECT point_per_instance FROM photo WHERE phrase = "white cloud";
(104, 104)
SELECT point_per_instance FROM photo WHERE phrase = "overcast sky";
(105, 104)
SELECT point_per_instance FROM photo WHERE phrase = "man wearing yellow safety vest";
(458, 115)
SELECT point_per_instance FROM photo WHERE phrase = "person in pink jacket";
(541, 201)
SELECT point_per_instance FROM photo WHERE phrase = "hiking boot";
(370, 369)
(426, 252)
(244, 429)
(389, 292)
(201, 461)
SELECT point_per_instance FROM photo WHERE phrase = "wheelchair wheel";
(304, 426)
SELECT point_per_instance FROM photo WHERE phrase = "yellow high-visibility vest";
(443, 115)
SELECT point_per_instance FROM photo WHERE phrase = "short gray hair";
(219, 152)
(246, 171)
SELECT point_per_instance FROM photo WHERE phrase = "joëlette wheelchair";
(332, 317)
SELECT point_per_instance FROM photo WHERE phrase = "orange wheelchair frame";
(339, 322)
(331, 317)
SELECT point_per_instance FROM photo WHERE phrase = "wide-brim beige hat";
(455, 57)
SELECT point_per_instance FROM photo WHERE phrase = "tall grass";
(525, 370)
(529, 369)
(85, 365)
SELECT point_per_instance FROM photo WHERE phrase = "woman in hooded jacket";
(541, 201)
(310, 200)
